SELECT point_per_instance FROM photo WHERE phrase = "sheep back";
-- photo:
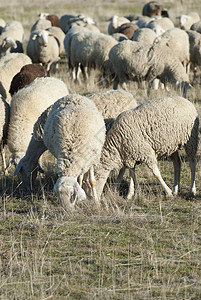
(27, 105)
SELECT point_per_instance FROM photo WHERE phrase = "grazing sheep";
(59, 36)
(139, 61)
(186, 21)
(43, 48)
(25, 76)
(145, 35)
(10, 64)
(177, 40)
(26, 106)
(67, 136)
(4, 123)
(195, 47)
(128, 29)
(154, 129)
(110, 103)
(151, 9)
(90, 50)
(115, 22)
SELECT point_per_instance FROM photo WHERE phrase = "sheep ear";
(79, 191)
(34, 37)
(18, 168)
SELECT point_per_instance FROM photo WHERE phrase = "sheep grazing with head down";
(138, 61)
(158, 127)
(26, 106)
(25, 76)
(74, 132)
(110, 103)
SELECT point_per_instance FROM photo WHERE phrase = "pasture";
(149, 248)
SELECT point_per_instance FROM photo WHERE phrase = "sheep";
(8, 45)
(4, 123)
(158, 127)
(90, 50)
(160, 25)
(119, 37)
(195, 50)
(66, 21)
(59, 36)
(54, 19)
(11, 38)
(10, 64)
(41, 24)
(25, 76)
(196, 26)
(26, 106)
(43, 48)
(110, 103)
(77, 149)
(145, 35)
(128, 29)
(115, 22)
(195, 47)
(151, 9)
(140, 61)
(185, 21)
(177, 40)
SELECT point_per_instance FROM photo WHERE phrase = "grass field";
(149, 248)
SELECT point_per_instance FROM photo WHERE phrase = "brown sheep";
(128, 29)
(26, 75)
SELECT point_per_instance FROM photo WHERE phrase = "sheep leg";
(158, 176)
(92, 181)
(192, 164)
(116, 82)
(3, 160)
(177, 171)
(133, 184)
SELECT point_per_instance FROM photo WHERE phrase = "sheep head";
(68, 190)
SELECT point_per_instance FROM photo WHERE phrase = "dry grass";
(143, 249)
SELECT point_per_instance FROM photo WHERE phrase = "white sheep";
(177, 40)
(145, 35)
(185, 21)
(74, 132)
(59, 36)
(110, 103)
(12, 38)
(4, 123)
(164, 23)
(26, 106)
(115, 22)
(41, 24)
(90, 50)
(195, 47)
(158, 127)
(43, 48)
(139, 61)
(10, 64)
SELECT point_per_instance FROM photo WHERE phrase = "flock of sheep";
(94, 134)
